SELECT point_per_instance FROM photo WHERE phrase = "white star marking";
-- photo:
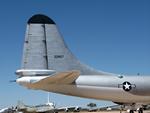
(127, 86)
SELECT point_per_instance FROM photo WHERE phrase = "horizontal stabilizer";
(60, 78)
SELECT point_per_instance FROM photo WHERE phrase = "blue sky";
(110, 35)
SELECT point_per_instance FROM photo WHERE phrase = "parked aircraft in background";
(49, 65)
(32, 109)
(47, 107)
(7, 110)
(3, 110)
(65, 108)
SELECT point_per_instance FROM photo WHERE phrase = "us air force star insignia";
(127, 86)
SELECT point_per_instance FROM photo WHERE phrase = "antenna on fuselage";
(138, 73)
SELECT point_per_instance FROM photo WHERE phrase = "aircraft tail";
(45, 49)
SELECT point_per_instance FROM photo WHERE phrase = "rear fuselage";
(102, 87)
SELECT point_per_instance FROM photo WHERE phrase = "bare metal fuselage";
(104, 88)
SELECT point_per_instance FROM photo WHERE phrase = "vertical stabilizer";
(35, 46)
(44, 48)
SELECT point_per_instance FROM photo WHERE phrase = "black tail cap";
(40, 19)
